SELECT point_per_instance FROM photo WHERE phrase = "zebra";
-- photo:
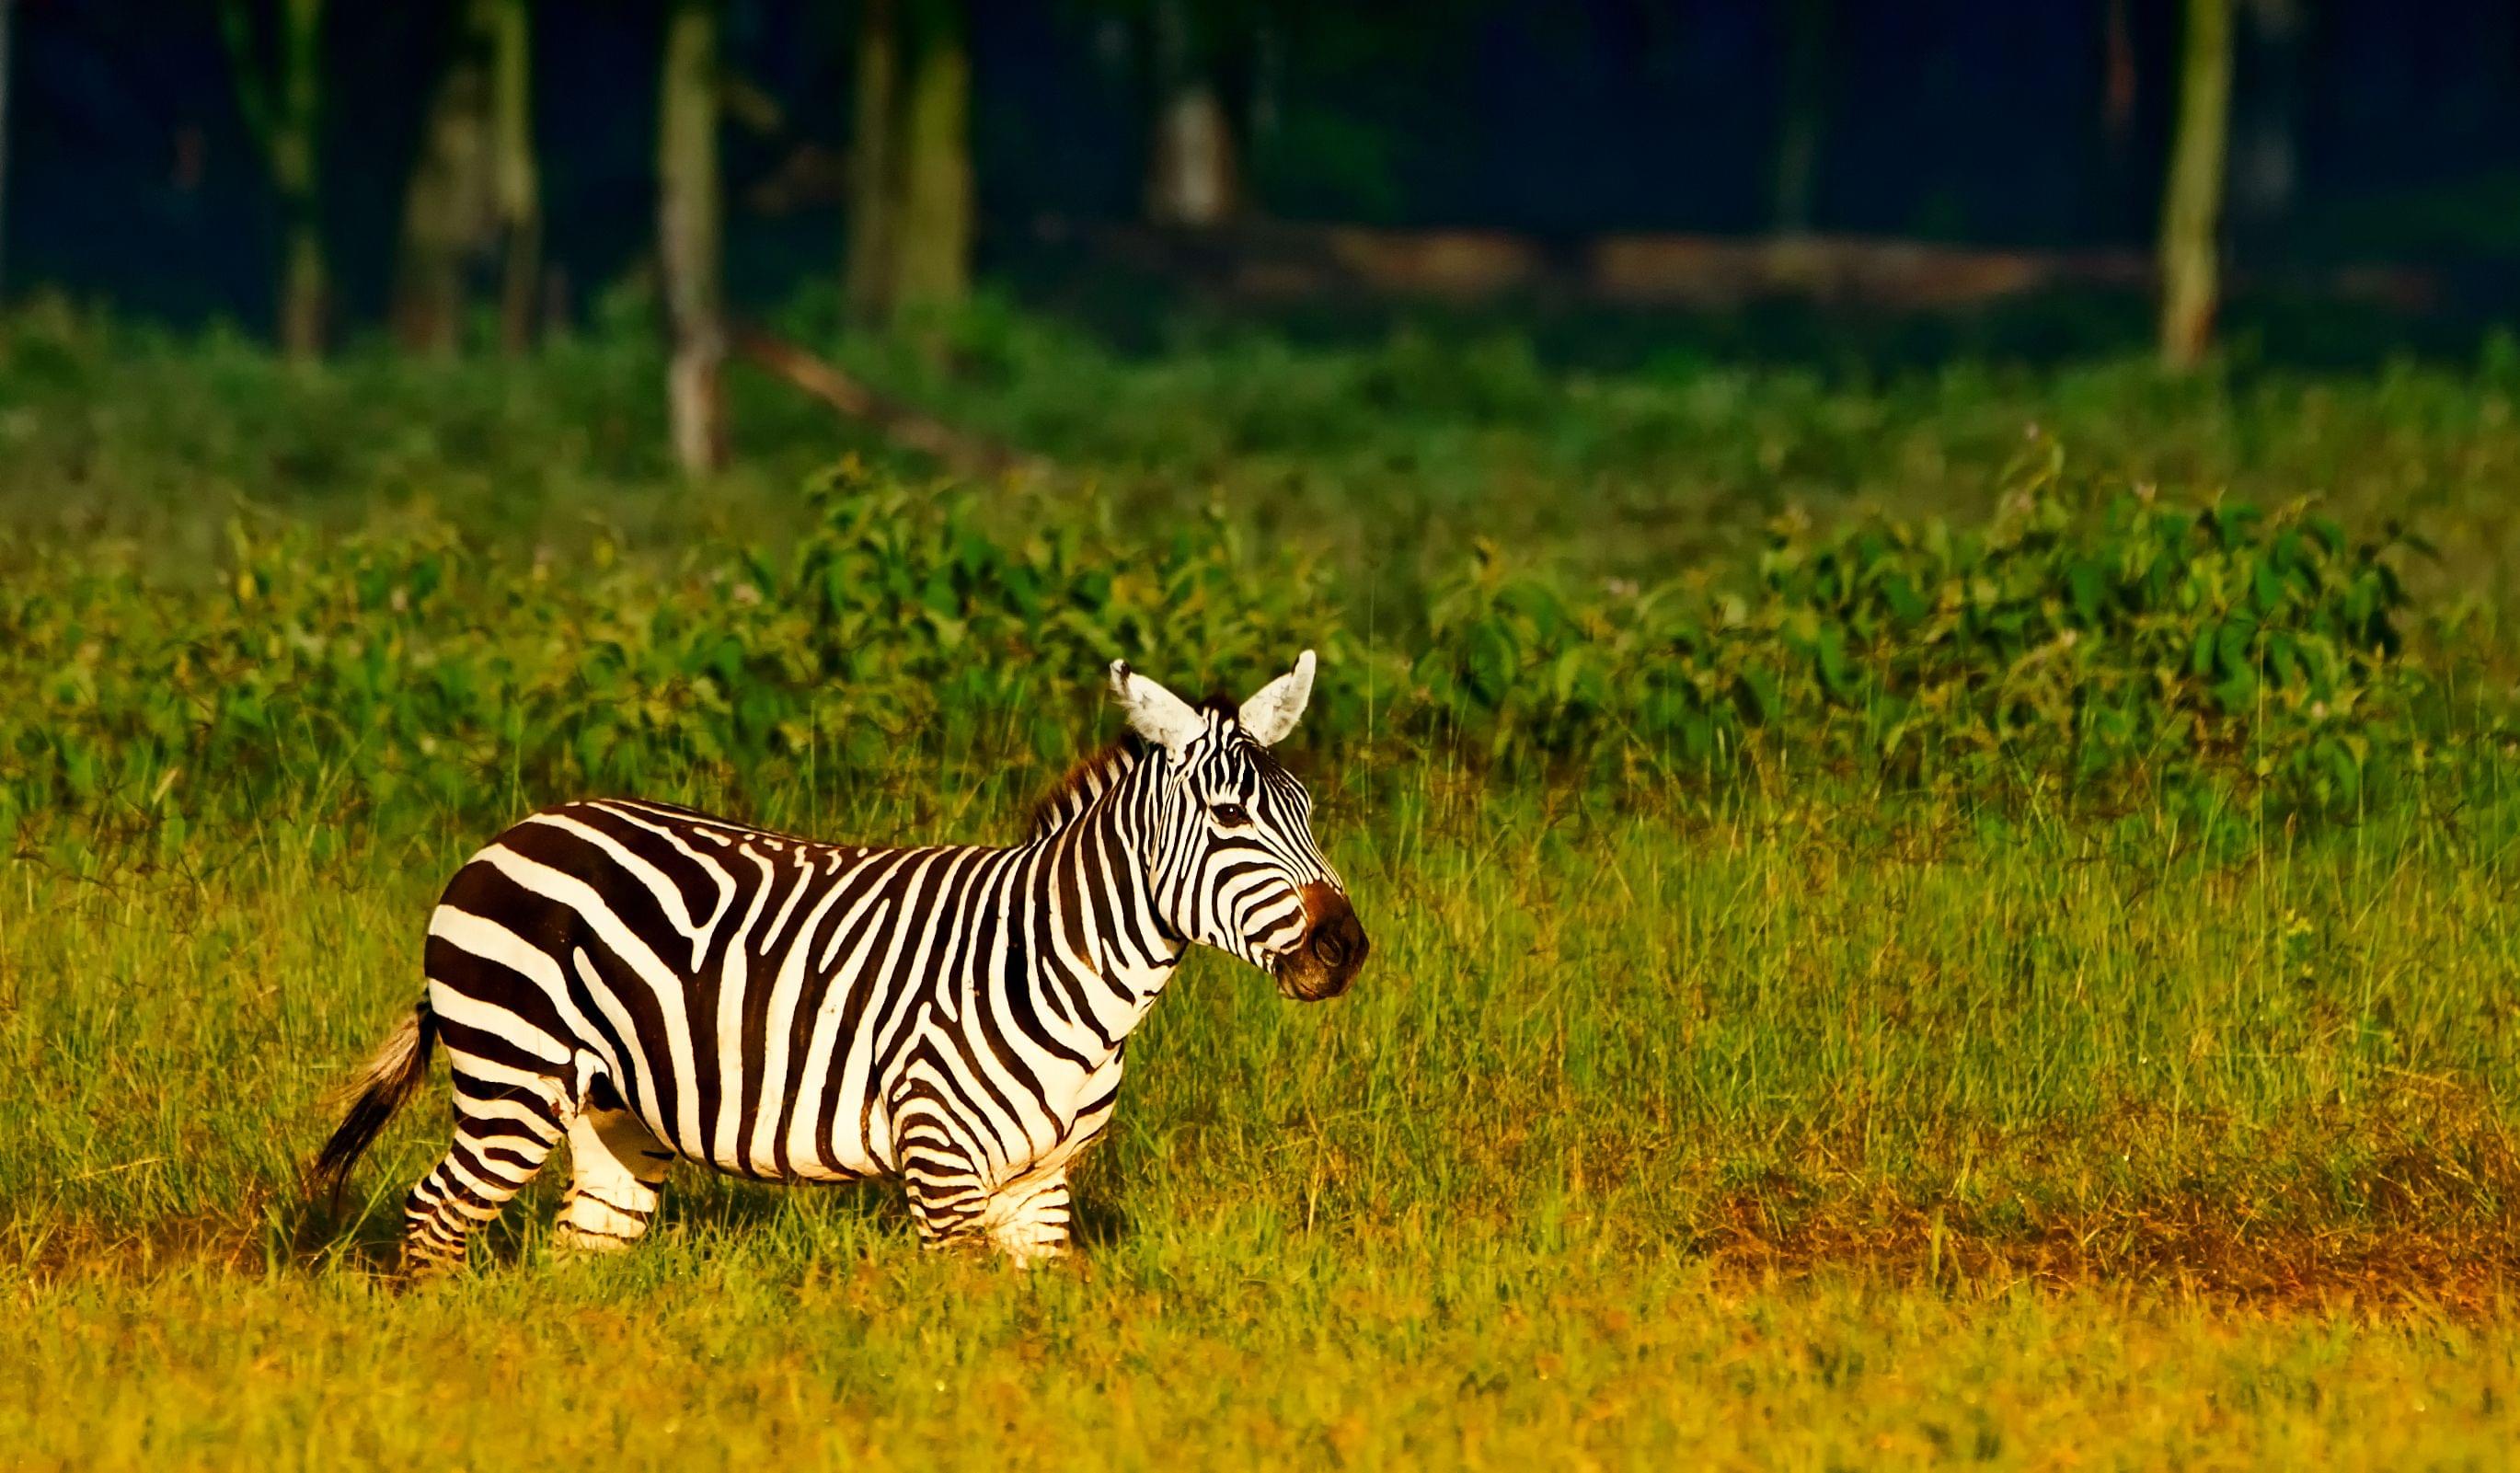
(652, 983)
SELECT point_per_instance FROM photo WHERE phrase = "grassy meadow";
(1908, 930)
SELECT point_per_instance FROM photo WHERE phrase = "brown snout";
(1332, 950)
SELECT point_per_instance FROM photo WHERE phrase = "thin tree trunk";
(7, 9)
(2193, 199)
(874, 167)
(2118, 79)
(2264, 167)
(517, 179)
(1806, 102)
(304, 280)
(283, 115)
(1193, 176)
(934, 247)
(1193, 180)
(473, 191)
(2127, 188)
(445, 204)
(688, 224)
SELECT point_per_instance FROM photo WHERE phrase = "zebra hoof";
(1025, 1252)
(572, 1240)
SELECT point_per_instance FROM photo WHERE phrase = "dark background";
(132, 180)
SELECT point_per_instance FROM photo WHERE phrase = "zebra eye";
(1231, 815)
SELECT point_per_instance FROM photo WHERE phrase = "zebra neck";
(1096, 879)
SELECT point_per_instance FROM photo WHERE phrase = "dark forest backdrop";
(2362, 130)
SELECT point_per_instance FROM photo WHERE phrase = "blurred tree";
(473, 192)
(2127, 186)
(1805, 104)
(874, 164)
(2193, 199)
(7, 7)
(910, 188)
(517, 175)
(1193, 169)
(933, 247)
(690, 226)
(2265, 168)
(2118, 78)
(280, 100)
(446, 201)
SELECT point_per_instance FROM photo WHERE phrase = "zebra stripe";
(654, 983)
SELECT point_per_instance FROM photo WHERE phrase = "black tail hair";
(400, 1063)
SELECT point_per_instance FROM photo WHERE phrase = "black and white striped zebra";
(652, 983)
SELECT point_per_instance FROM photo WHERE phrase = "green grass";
(1806, 1118)
(1641, 1126)
(804, 1343)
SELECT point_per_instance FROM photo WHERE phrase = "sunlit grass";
(1901, 1138)
(1803, 1117)
(808, 1343)
(1659, 1019)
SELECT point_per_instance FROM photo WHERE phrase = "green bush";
(2135, 640)
(399, 662)
(2085, 645)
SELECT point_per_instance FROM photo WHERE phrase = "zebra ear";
(1155, 713)
(1273, 710)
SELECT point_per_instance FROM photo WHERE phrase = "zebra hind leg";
(504, 1131)
(616, 1173)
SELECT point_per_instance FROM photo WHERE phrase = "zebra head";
(1234, 863)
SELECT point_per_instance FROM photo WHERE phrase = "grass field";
(1807, 1116)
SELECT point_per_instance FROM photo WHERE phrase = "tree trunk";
(689, 222)
(517, 182)
(304, 285)
(933, 267)
(6, 13)
(1193, 176)
(283, 115)
(2117, 80)
(874, 167)
(445, 206)
(473, 191)
(1806, 95)
(2264, 165)
(2192, 200)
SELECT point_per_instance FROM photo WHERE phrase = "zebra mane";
(1090, 778)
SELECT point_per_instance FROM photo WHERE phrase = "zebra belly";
(799, 1100)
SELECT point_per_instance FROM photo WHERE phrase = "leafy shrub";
(2134, 642)
(2138, 639)
(400, 662)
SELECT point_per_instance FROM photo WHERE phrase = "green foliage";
(1738, 912)
(2138, 638)
(400, 662)
(2136, 642)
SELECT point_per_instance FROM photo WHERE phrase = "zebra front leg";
(947, 1191)
(946, 1194)
(1028, 1218)
(616, 1173)
(503, 1134)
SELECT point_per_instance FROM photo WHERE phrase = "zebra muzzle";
(1332, 951)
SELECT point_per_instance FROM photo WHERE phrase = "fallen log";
(1278, 261)
(958, 450)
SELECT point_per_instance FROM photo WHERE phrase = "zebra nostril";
(1330, 945)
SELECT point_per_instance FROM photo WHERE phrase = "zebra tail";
(381, 1089)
